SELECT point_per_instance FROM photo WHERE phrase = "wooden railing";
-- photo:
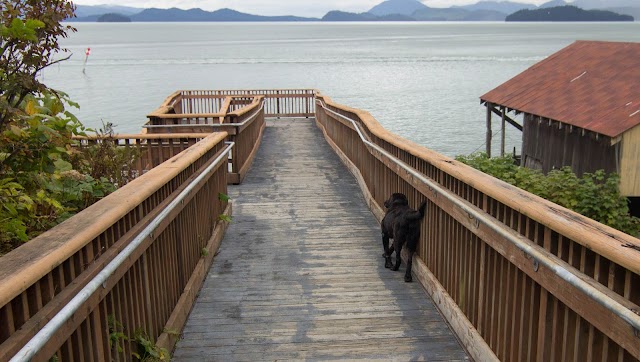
(278, 102)
(241, 117)
(518, 278)
(232, 111)
(132, 261)
(146, 151)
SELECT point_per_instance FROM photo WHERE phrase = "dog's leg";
(387, 252)
(398, 247)
(385, 244)
(407, 275)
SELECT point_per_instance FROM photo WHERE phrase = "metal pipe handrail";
(38, 341)
(607, 302)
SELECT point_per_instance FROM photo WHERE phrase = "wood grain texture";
(300, 273)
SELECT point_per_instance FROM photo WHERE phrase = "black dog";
(402, 224)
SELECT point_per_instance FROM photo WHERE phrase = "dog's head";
(396, 199)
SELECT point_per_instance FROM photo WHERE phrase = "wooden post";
(503, 136)
(488, 141)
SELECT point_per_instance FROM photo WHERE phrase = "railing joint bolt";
(476, 222)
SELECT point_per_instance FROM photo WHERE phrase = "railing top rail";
(249, 91)
(518, 240)
(24, 266)
(255, 107)
(615, 245)
(163, 111)
(168, 102)
(186, 115)
(258, 101)
(143, 136)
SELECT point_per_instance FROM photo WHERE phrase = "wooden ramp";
(300, 273)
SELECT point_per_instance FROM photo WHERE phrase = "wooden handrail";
(24, 266)
(143, 136)
(503, 232)
(502, 264)
(167, 104)
(249, 108)
(81, 298)
(512, 272)
(186, 115)
(43, 275)
(279, 102)
(615, 245)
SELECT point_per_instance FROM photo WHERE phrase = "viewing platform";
(249, 230)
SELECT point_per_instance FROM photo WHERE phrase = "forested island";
(113, 18)
(567, 13)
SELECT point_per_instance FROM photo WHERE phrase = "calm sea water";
(419, 80)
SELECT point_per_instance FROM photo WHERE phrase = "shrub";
(38, 186)
(105, 159)
(44, 178)
(29, 34)
(594, 195)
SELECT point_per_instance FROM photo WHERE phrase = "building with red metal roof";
(581, 108)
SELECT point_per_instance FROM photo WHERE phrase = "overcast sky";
(313, 8)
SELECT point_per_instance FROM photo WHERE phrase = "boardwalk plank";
(299, 274)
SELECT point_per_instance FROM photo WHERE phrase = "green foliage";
(106, 160)
(148, 351)
(35, 130)
(45, 177)
(223, 197)
(29, 34)
(117, 337)
(594, 195)
(225, 218)
(38, 139)
(38, 186)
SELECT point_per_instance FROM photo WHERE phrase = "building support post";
(503, 137)
(488, 141)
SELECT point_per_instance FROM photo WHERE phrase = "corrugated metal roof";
(594, 85)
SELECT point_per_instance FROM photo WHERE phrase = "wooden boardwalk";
(300, 275)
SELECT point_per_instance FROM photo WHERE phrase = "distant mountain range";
(389, 10)
(175, 14)
(567, 13)
(83, 11)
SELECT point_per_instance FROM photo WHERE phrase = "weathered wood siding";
(630, 163)
(549, 145)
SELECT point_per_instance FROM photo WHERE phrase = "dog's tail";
(419, 214)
